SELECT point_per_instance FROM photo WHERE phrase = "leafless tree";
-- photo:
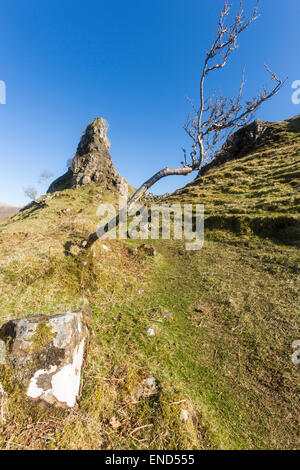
(30, 192)
(45, 176)
(214, 118)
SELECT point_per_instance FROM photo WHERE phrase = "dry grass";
(221, 358)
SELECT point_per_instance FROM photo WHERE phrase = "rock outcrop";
(239, 144)
(92, 162)
(44, 356)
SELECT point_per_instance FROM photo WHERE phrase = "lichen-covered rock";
(45, 354)
(92, 163)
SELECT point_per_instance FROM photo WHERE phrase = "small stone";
(141, 292)
(66, 211)
(105, 248)
(151, 331)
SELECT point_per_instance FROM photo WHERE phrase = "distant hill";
(6, 210)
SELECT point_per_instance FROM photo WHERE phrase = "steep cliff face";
(92, 162)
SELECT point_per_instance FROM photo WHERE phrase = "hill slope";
(257, 191)
(225, 317)
(6, 210)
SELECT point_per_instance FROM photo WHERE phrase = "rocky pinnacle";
(92, 162)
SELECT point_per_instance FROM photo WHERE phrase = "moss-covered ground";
(222, 353)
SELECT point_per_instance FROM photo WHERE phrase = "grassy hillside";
(225, 317)
(258, 192)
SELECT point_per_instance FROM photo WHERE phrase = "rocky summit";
(92, 162)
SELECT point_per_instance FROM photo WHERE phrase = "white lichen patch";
(64, 384)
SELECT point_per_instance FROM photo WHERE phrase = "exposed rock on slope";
(255, 184)
(92, 162)
(240, 143)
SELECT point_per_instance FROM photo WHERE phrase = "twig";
(139, 428)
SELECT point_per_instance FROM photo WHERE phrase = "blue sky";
(132, 62)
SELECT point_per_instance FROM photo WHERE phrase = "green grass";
(224, 355)
(259, 188)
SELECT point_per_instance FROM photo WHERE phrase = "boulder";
(45, 355)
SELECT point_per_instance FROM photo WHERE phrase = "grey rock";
(92, 163)
(45, 354)
(240, 143)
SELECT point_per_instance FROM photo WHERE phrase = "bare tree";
(45, 176)
(215, 117)
(30, 192)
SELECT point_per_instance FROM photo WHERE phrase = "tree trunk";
(93, 237)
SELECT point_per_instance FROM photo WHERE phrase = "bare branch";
(217, 116)
(186, 170)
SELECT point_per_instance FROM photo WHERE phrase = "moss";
(42, 336)
(239, 194)
(226, 352)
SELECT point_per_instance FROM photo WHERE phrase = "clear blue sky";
(132, 62)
